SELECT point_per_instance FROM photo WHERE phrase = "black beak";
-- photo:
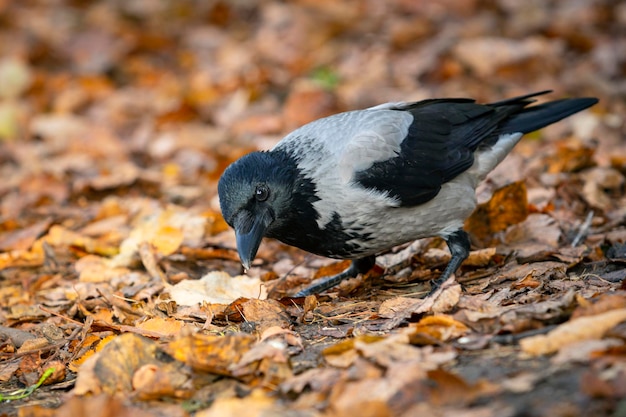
(249, 230)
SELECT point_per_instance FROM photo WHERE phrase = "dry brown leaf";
(480, 258)
(112, 369)
(537, 228)
(60, 236)
(20, 258)
(58, 374)
(289, 336)
(23, 239)
(265, 314)
(209, 253)
(149, 258)
(436, 329)
(343, 354)
(600, 183)
(310, 303)
(448, 388)
(375, 395)
(216, 288)
(604, 383)
(601, 304)
(507, 206)
(257, 404)
(308, 104)
(214, 354)
(582, 351)
(570, 155)
(486, 55)
(102, 405)
(165, 326)
(93, 268)
(441, 300)
(33, 345)
(266, 364)
(91, 344)
(540, 271)
(529, 281)
(318, 379)
(575, 330)
(390, 351)
(8, 369)
(165, 229)
(153, 382)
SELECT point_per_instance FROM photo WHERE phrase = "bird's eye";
(261, 193)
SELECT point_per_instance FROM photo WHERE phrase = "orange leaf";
(507, 206)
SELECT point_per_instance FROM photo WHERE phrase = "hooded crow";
(356, 184)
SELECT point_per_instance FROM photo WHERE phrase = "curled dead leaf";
(437, 328)
(153, 382)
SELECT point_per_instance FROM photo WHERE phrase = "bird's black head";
(255, 193)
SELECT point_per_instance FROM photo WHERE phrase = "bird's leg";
(459, 245)
(358, 266)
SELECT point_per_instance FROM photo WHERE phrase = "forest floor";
(121, 292)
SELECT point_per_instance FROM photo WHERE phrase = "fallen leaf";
(94, 406)
(507, 206)
(575, 330)
(15, 77)
(23, 239)
(257, 404)
(165, 326)
(441, 300)
(448, 388)
(317, 379)
(582, 351)
(154, 382)
(570, 155)
(265, 314)
(216, 288)
(436, 329)
(93, 268)
(486, 55)
(600, 183)
(480, 258)
(165, 229)
(215, 354)
(601, 304)
(536, 233)
(112, 369)
(604, 383)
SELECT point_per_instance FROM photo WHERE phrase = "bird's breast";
(355, 227)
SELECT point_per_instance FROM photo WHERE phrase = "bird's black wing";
(439, 145)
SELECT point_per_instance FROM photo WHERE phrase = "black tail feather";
(525, 99)
(535, 117)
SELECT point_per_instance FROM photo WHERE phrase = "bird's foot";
(459, 245)
(441, 282)
(357, 266)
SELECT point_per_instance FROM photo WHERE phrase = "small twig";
(583, 231)
(66, 318)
